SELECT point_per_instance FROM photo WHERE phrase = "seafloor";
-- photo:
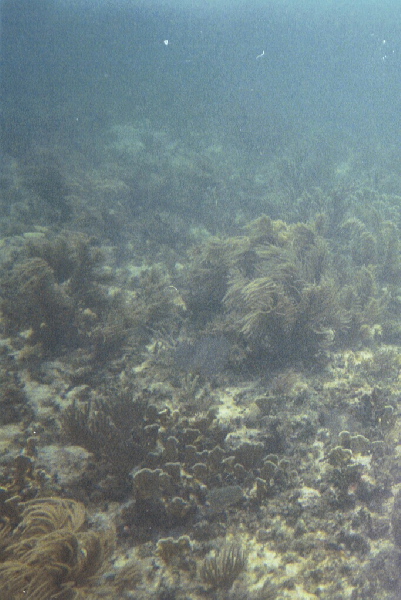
(200, 371)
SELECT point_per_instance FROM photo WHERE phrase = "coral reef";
(198, 400)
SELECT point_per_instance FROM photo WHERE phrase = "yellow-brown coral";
(49, 552)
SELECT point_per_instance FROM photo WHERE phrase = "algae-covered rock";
(67, 464)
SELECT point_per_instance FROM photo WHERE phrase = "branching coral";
(50, 552)
(222, 569)
(73, 258)
(206, 278)
(276, 294)
(289, 307)
(114, 431)
(372, 241)
(13, 401)
(46, 180)
(47, 287)
(54, 297)
(32, 300)
(44, 516)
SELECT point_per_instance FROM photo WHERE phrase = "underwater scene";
(200, 300)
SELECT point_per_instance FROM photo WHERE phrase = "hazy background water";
(71, 69)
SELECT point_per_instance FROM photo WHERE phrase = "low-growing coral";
(170, 549)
